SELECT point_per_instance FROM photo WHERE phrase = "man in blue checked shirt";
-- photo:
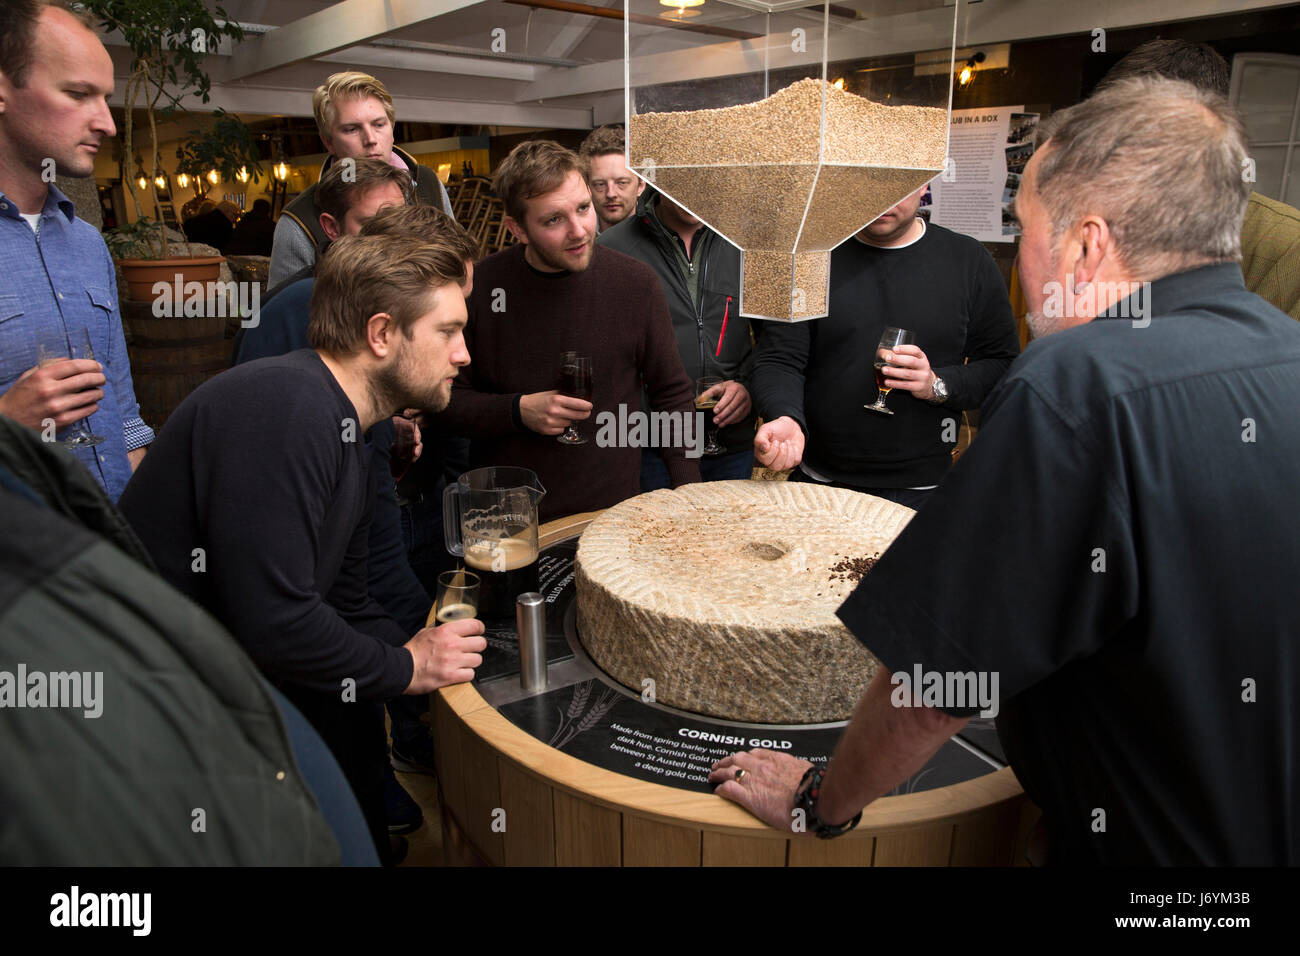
(56, 277)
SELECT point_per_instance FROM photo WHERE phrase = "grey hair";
(1161, 161)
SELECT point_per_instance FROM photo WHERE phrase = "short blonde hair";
(344, 86)
(360, 276)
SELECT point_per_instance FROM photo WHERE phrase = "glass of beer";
(458, 593)
(889, 340)
(78, 347)
(575, 382)
(705, 402)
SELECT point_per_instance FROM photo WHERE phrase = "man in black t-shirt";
(1126, 515)
(812, 379)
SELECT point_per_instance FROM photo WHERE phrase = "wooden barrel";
(509, 799)
(172, 356)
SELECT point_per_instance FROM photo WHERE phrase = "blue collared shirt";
(52, 286)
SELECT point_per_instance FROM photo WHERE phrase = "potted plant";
(227, 146)
(169, 41)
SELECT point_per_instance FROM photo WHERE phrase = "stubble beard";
(391, 389)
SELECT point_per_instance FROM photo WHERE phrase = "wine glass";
(889, 340)
(705, 403)
(78, 346)
(575, 382)
(457, 596)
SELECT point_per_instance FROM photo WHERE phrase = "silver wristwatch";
(940, 391)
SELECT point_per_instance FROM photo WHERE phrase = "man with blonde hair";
(1114, 554)
(258, 502)
(355, 118)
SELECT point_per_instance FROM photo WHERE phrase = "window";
(1266, 90)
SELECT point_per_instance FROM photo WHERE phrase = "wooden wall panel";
(648, 843)
(586, 834)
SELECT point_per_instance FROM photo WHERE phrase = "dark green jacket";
(704, 346)
(188, 761)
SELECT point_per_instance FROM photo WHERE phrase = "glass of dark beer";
(889, 340)
(706, 400)
(458, 596)
(575, 382)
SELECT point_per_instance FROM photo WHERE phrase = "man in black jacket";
(700, 275)
(813, 379)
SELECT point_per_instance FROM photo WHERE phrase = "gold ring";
(739, 773)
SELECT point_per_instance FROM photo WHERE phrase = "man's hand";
(766, 788)
(446, 654)
(407, 446)
(136, 455)
(909, 369)
(733, 403)
(779, 444)
(549, 413)
(66, 390)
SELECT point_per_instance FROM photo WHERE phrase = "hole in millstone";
(765, 552)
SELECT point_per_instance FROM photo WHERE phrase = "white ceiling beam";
(296, 102)
(993, 21)
(575, 31)
(398, 59)
(345, 24)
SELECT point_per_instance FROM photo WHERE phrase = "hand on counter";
(766, 788)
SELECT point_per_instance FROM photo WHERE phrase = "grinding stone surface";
(723, 593)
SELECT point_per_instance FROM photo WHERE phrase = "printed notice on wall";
(987, 152)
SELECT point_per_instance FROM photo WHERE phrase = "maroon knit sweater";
(520, 320)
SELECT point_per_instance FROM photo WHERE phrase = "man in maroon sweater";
(555, 292)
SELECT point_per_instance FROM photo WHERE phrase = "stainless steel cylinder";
(530, 622)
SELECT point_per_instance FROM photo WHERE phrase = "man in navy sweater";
(258, 503)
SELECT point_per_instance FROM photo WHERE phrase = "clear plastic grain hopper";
(788, 126)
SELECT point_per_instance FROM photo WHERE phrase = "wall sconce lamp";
(968, 71)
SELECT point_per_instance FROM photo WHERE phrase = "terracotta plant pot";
(141, 274)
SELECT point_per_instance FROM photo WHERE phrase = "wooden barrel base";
(509, 799)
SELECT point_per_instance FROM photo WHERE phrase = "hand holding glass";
(77, 347)
(890, 340)
(706, 403)
(574, 382)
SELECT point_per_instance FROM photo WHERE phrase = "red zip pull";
(726, 311)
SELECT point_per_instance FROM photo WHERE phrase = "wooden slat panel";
(586, 834)
(989, 838)
(723, 850)
(924, 846)
(647, 843)
(810, 851)
(482, 799)
(447, 731)
(530, 817)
